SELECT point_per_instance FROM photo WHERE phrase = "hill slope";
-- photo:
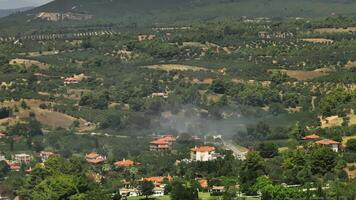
(168, 11)
(7, 12)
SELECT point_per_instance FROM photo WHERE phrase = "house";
(160, 94)
(14, 166)
(158, 191)
(124, 163)
(311, 137)
(203, 183)
(23, 158)
(217, 189)
(94, 158)
(45, 155)
(163, 143)
(202, 153)
(158, 181)
(71, 80)
(145, 37)
(129, 192)
(334, 145)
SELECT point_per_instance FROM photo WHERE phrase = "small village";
(160, 145)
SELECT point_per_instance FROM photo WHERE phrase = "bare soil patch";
(318, 40)
(46, 117)
(177, 67)
(336, 30)
(305, 75)
(28, 63)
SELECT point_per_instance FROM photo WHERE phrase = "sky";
(10, 4)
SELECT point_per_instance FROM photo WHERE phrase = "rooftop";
(124, 163)
(203, 149)
(327, 142)
(311, 137)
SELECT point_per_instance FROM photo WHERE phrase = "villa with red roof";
(94, 158)
(311, 137)
(158, 180)
(334, 145)
(163, 143)
(124, 163)
(202, 153)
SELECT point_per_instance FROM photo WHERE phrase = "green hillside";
(148, 12)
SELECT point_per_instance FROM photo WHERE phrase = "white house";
(23, 158)
(334, 145)
(129, 192)
(202, 153)
(158, 191)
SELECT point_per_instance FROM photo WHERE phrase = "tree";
(182, 191)
(4, 169)
(351, 145)
(271, 191)
(322, 160)
(267, 150)
(251, 169)
(297, 131)
(218, 86)
(147, 188)
(4, 113)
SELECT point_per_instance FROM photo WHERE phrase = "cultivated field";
(305, 75)
(318, 40)
(28, 63)
(336, 30)
(176, 67)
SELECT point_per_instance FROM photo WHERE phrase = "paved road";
(241, 155)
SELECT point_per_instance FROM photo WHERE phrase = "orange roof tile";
(124, 163)
(203, 149)
(92, 155)
(311, 137)
(203, 183)
(159, 142)
(157, 179)
(327, 142)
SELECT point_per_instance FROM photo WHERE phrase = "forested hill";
(6, 12)
(168, 11)
(202, 8)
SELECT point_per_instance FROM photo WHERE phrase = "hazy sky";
(8, 4)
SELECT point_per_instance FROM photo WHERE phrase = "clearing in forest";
(335, 30)
(305, 75)
(28, 63)
(350, 64)
(176, 67)
(46, 117)
(318, 40)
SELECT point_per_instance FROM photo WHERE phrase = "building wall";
(202, 156)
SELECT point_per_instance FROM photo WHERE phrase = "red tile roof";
(327, 142)
(311, 137)
(157, 179)
(203, 183)
(203, 149)
(124, 163)
(94, 158)
(164, 140)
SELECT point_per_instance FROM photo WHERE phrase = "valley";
(108, 100)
